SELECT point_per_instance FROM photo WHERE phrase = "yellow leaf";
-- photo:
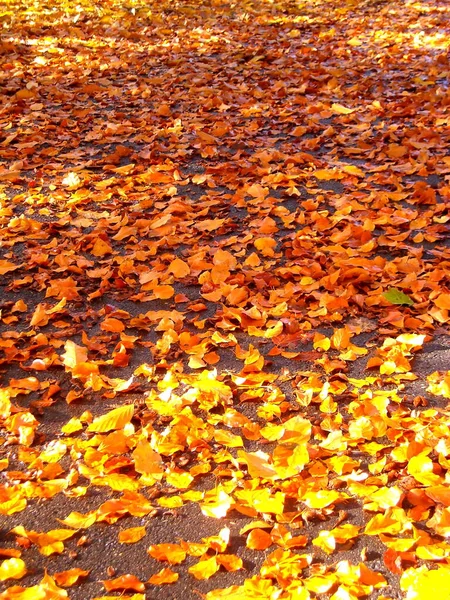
(438, 551)
(12, 568)
(322, 498)
(353, 170)
(421, 468)
(426, 584)
(228, 439)
(263, 500)
(339, 109)
(392, 521)
(383, 498)
(179, 479)
(205, 568)
(114, 419)
(79, 521)
(170, 501)
(321, 342)
(325, 541)
(216, 503)
(218, 543)
(45, 590)
(15, 504)
(72, 180)
(297, 430)
(73, 355)
(121, 597)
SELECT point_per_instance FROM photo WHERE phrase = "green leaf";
(395, 296)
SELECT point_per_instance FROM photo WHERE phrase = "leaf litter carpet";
(225, 296)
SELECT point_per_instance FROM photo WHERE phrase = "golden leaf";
(12, 568)
(205, 568)
(115, 419)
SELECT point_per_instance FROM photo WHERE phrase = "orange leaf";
(439, 494)
(124, 582)
(265, 245)
(131, 535)
(113, 325)
(253, 260)
(340, 339)
(163, 292)
(70, 577)
(325, 174)
(258, 539)
(40, 317)
(101, 248)
(6, 266)
(443, 301)
(179, 268)
(396, 151)
(172, 553)
(238, 296)
(164, 576)
(75, 361)
(230, 562)
(258, 464)
(146, 460)
(209, 224)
